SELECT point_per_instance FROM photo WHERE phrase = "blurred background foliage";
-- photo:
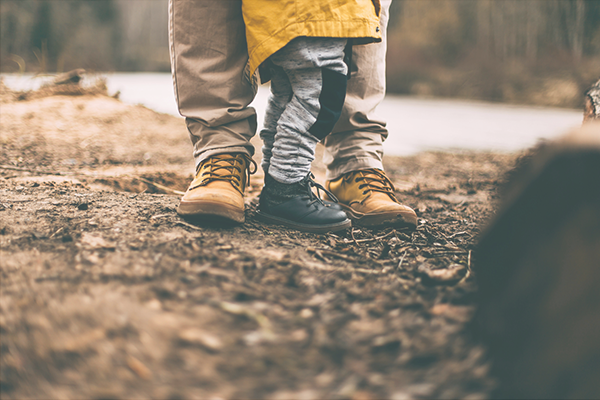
(544, 52)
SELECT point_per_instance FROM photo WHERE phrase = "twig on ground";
(456, 234)
(33, 171)
(188, 225)
(469, 262)
(353, 238)
(375, 238)
(166, 189)
(320, 252)
(402, 259)
(468, 269)
(57, 232)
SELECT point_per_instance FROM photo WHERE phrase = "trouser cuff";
(352, 164)
(199, 157)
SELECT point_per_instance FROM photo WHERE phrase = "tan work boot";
(368, 198)
(218, 189)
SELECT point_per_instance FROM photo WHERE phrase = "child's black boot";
(296, 206)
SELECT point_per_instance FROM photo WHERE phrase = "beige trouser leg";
(357, 139)
(208, 56)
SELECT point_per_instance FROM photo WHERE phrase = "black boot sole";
(313, 228)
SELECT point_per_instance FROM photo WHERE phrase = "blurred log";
(74, 76)
(538, 270)
(592, 103)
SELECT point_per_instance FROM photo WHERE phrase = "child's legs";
(281, 93)
(317, 72)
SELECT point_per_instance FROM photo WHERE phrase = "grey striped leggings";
(308, 88)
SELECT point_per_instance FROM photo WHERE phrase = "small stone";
(201, 338)
(299, 335)
(324, 379)
(92, 241)
(451, 274)
(307, 313)
(257, 337)
(363, 395)
(401, 396)
(421, 389)
(376, 379)
(456, 313)
(154, 304)
(83, 206)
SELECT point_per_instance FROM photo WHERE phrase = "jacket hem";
(369, 31)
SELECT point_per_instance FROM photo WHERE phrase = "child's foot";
(296, 206)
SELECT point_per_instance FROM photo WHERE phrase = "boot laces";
(317, 198)
(228, 168)
(373, 180)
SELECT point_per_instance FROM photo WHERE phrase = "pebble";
(307, 313)
(450, 274)
(201, 338)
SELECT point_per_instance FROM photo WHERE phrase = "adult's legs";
(208, 57)
(354, 150)
(356, 142)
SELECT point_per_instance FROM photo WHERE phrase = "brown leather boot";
(368, 198)
(218, 189)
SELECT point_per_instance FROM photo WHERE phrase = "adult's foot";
(218, 189)
(368, 198)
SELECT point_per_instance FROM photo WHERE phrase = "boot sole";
(340, 226)
(211, 210)
(395, 219)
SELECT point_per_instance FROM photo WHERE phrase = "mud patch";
(158, 183)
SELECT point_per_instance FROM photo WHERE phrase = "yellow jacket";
(271, 24)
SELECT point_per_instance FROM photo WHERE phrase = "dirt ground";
(107, 293)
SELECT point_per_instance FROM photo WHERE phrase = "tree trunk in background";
(575, 15)
(533, 21)
(484, 15)
(145, 34)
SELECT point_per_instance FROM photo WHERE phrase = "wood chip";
(139, 368)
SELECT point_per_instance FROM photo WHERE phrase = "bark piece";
(592, 103)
